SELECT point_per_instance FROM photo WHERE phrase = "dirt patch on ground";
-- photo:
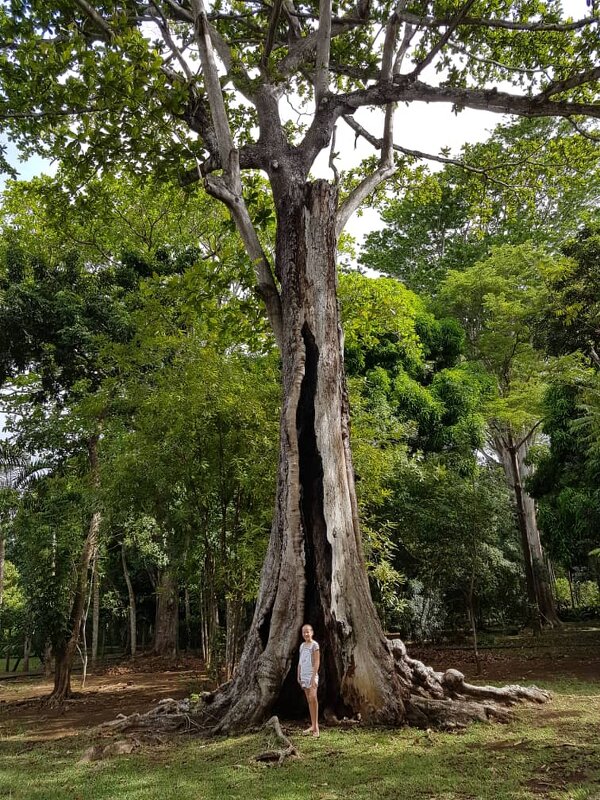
(117, 690)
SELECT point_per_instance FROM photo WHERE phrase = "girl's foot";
(316, 734)
(307, 732)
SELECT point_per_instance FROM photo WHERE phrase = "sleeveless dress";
(306, 667)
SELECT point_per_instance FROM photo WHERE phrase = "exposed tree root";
(444, 700)
(168, 716)
(278, 756)
(431, 699)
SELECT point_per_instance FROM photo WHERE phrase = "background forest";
(140, 384)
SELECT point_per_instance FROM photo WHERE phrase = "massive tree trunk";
(314, 570)
(167, 614)
(513, 453)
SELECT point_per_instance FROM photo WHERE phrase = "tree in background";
(565, 482)
(87, 82)
(67, 302)
(532, 180)
(496, 301)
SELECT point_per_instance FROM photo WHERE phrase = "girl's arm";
(316, 662)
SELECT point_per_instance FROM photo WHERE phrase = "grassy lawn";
(546, 752)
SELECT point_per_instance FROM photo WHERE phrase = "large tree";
(179, 85)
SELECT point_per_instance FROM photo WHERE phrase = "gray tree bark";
(513, 453)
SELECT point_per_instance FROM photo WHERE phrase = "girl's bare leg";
(313, 707)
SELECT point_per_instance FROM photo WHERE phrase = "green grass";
(546, 752)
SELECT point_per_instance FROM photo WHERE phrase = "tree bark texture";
(539, 590)
(167, 614)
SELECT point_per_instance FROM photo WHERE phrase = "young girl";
(308, 676)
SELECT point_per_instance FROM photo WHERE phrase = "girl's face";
(307, 633)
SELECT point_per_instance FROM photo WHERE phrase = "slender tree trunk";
(26, 653)
(234, 606)
(539, 590)
(188, 618)
(48, 659)
(2, 563)
(64, 652)
(132, 604)
(471, 612)
(209, 614)
(95, 608)
(167, 614)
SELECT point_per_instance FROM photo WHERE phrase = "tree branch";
(493, 100)
(179, 12)
(432, 22)
(163, 26)
(228, 186)
(301, 51)
(378, 143)
(273, 21)
(367, 186)
(220, 187)
(323, 47)
(581, 78)
(96, 18)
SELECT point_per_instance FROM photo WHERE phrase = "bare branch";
(170, 42)
(482, 60)
(302, 51)
(409, 32)
(332, 155)
(367, 186)
(224, 189)
(292, 15)
(323, 47)
(389, 44)
(212, 83)
(378, 144)
(432, 22)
